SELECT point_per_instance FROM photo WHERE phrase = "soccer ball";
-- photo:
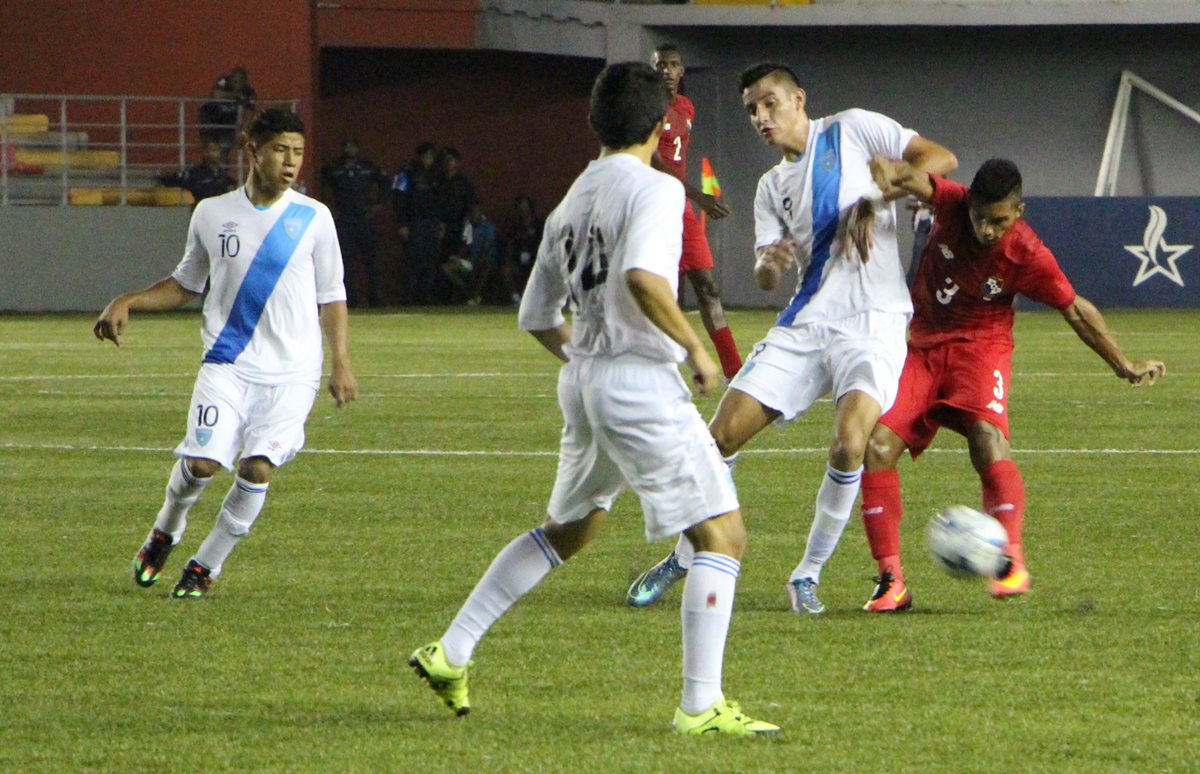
(966, 543)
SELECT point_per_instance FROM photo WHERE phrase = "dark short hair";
(755, 73)
(628, 101)
(995, 181)
(273, 121)
(449, 152)
(663, 48)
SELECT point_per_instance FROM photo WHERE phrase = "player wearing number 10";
(611, 251)
(270, 259)
(979, 255)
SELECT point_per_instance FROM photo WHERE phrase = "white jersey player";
(611, 251)
(270, 260)
(844, 329)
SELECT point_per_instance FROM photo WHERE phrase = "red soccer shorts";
(696, 254)
(951, 385)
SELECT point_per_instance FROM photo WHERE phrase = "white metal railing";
(119, 143)
(1110, 159)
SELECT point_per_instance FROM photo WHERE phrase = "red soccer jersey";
(677, 135)
(964, 291)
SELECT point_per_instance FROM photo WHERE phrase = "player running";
(844, 328)
(611, 251)
(271, 261)
(697, 261)
(979, 255)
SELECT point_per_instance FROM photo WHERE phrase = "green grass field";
(373, 537)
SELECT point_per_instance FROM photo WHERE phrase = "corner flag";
(708, 184)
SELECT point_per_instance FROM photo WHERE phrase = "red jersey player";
(697, 261)
(978, 257)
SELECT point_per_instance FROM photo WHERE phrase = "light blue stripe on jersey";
(265, 269)
(826, 184)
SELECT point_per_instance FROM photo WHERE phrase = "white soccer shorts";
(232, 418)
(792, 367)
(632, 420)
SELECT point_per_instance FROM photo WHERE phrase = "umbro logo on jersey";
(229, 225)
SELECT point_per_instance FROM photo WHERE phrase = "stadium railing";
(62, 149)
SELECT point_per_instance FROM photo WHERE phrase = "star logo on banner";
(1156, 255)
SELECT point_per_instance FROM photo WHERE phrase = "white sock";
(183, 489)
(514, 572)
(835, 501)
(706, 610)
(241, 507)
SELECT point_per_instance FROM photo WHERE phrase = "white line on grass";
(510, 453)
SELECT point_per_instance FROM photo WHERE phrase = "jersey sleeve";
(192, 271)
(1042, 279)
(946, 193)
(768, 226)
(654, 229)
(546, 292)
(879, 133)
(327, 260)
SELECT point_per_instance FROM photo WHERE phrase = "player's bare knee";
(200, 467)
(724, 534)
(256, 470)
(848, 450)
(883, 451)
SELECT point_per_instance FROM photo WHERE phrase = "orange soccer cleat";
(1012, 583)
(891, 596)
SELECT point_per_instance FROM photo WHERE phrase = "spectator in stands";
(455, 196)
(520, 248)
(232, 98)
(415, 202)
(206, 178)
(481, 251)
(356, 186)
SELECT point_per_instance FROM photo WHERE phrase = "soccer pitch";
(372, 538)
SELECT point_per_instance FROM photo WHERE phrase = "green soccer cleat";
(194, 583)
(653, 583)
(803, 594)
(151, 557)
(724, 717)
(448, 682)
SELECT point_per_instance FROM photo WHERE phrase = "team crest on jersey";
(828, 160)
(991, 287)
(947, 253)
(203, 435)
(293, 226)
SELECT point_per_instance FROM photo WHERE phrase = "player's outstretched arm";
(1089, 325)
(927, 156)
(657, 301)
(162, 296)
(896, 178)
(335, 322)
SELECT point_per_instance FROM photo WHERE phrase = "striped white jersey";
(266, 271)
(808, 199)
(618, 215)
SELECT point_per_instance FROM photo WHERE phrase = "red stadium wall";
(154, 47)
(519, 120)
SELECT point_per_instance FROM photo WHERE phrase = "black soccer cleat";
(150, 559)
(194, 583)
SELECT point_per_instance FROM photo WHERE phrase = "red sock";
(1004, 500)
(881, 512)
(727, 351)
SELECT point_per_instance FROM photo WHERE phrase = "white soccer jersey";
(618, 215)
(267, 270)
(808, 200)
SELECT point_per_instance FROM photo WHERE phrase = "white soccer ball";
(966, 543)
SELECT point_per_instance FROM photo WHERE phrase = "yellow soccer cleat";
(448, 682)
(724, 717)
